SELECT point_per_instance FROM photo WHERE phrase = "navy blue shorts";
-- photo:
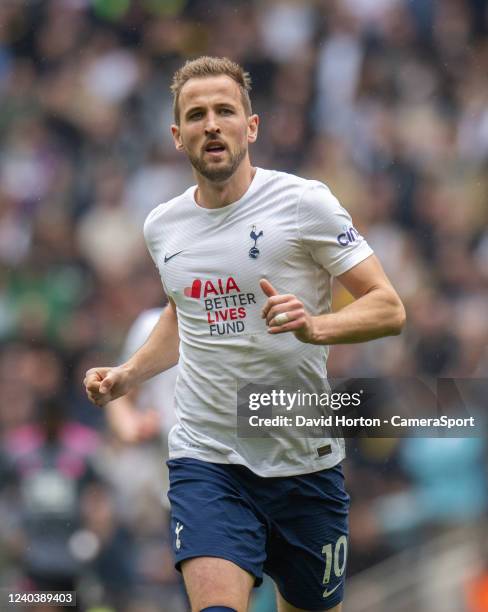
(293, 528)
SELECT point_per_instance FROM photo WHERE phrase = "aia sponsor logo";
(224, 303)
(348, 236)
(217, 287)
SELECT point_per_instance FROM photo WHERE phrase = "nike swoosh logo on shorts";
(329, 593)
(166, 258)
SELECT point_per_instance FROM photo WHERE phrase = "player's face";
(214, 129)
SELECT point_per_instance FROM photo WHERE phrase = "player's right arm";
(159, 353)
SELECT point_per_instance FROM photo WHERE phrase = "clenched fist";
(106, 384)
(286, 313)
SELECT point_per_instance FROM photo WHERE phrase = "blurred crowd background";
(386, 101)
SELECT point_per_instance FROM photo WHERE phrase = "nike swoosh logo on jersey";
(329, 593)
(166, 258)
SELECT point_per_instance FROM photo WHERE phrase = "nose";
(211, 125)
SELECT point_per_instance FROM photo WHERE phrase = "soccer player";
(247, 257)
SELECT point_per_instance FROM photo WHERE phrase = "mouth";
(214, 148)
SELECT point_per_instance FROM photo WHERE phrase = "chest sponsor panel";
(222, 306)
(215, 281)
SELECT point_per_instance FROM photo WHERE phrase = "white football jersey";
(294, 233)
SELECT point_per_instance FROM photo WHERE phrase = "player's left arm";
(376, 311)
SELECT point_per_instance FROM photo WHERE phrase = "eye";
(226, 111)
(195, 116)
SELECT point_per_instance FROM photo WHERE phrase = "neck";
(211, 194)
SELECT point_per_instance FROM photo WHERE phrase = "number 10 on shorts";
(333, 554)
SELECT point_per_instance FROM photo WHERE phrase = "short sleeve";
(153, 242)
(327, 231)
(149, 238)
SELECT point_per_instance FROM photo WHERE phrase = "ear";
(175, 131)
(252, 128)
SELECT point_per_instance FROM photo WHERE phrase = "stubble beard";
(221, 173)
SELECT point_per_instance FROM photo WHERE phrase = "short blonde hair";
(207, 66)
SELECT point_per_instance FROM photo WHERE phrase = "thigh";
(210, 518)
(307, 550)
(216, 582)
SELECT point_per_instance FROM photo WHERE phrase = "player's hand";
(286, 313)
(105, 384)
